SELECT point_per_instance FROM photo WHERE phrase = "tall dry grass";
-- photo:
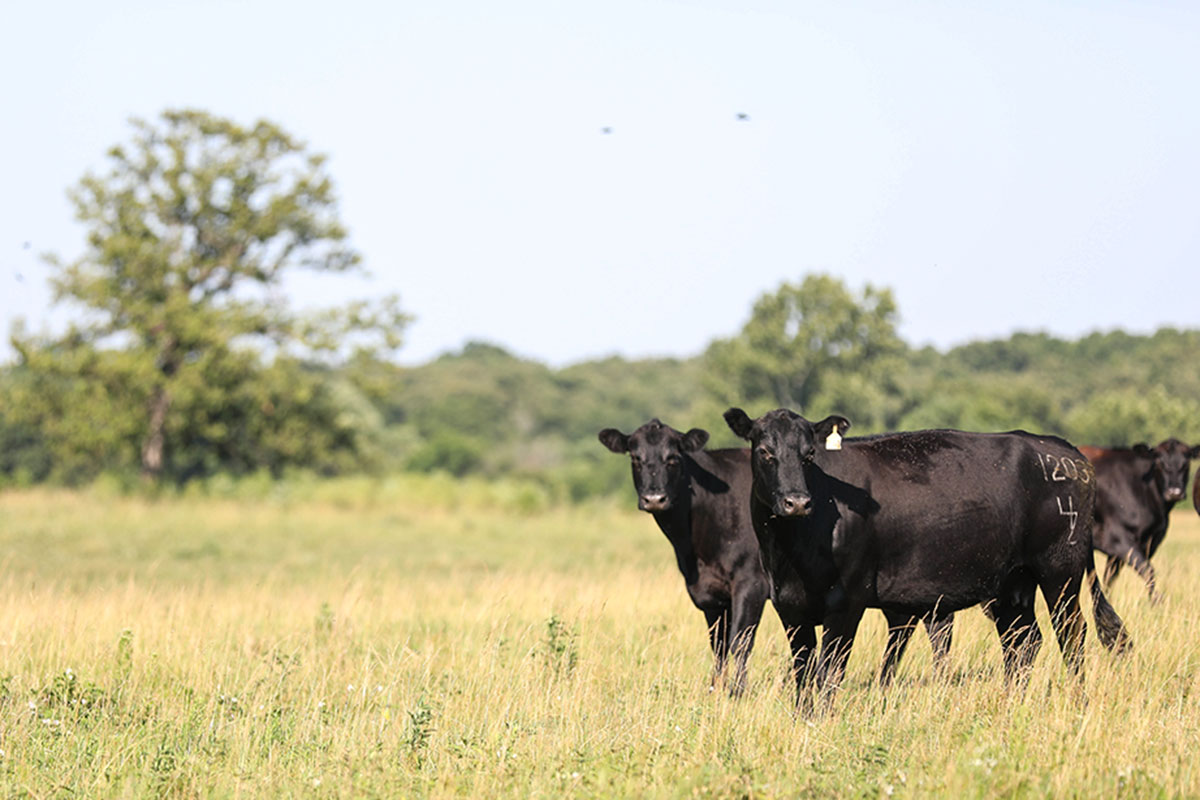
(359, 644)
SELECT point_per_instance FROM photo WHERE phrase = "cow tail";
(1109, 626)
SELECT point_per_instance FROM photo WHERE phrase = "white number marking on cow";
(1070, 469)
(1064, 469)
(1059, 474)
(1071, 514)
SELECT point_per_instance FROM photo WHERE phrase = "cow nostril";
(795, 506)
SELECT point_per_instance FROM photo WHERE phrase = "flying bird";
(606, 129)
(743, 117)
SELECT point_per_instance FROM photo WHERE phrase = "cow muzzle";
(653, 502)
(794, 505)
(1173, 494)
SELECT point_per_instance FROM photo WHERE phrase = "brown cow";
(1136, 489)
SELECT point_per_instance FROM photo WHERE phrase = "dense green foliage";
(486, 412)
(482, 410)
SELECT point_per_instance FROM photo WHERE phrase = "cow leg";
(1125, 549)
(1150, 545)
(1136, 559)
(940, 627)
(836, 642)
(803, 641)
(1020, 638)
(1062, 598)
(900, 628)
(745, 616)
(718, 639)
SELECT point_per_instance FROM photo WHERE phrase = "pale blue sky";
(1001, 165)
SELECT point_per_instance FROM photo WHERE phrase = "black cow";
(698, 498)
(1136, 489)
(920, 523)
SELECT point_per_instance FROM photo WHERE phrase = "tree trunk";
(152, 447)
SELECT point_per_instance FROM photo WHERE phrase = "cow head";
(1172, 462)
(782, 447)
(657, 454)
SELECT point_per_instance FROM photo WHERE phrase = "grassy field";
(413, 638)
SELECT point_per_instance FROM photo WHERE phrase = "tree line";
(187, 361)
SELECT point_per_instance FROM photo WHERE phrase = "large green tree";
(813, 341)
(191, 231)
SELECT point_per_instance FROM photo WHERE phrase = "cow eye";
(766, 454)
(810, 455)
(672, 460)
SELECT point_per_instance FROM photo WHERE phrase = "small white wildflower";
(70, 672)
(316, 781)
(33, 705)
(678, 729)
(260, 708)
(350, 687)
(321, 705)
(378, 688)
(574, 774)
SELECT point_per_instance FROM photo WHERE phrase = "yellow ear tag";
(833, 441)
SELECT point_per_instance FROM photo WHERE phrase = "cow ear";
(739, 422)
(831, 424)
(1143, 449)
(694, 440)
(1194, 452)
(614, 440)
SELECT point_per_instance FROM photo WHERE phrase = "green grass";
(409, 638)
